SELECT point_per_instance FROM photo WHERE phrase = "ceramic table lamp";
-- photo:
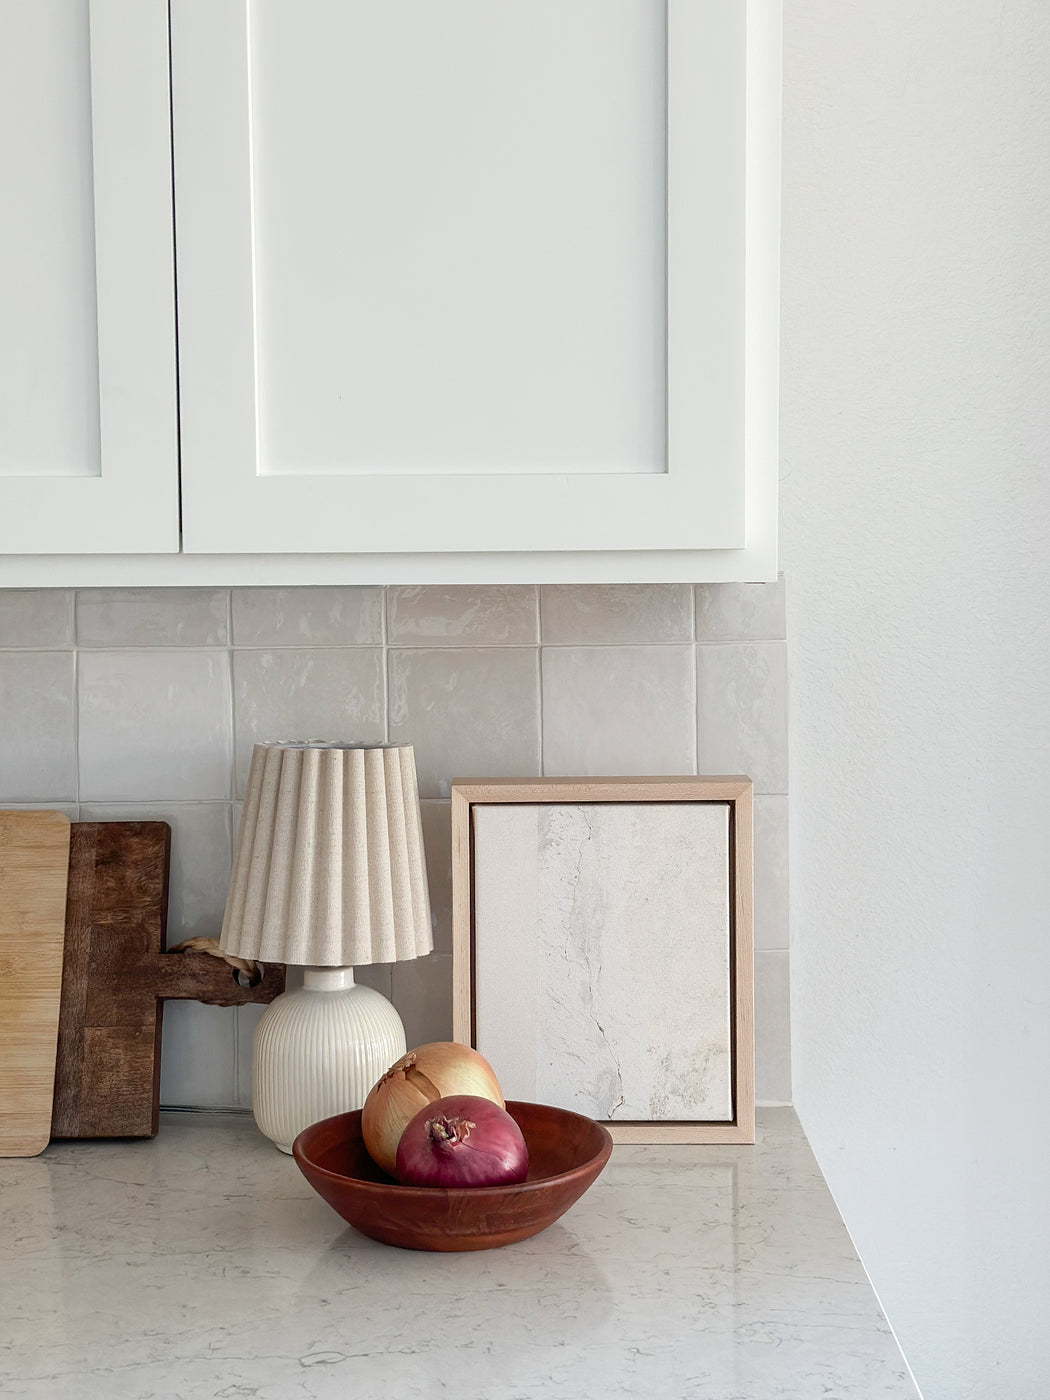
(328, 874)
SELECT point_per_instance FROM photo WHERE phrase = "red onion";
(462, 1140)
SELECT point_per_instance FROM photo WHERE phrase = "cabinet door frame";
(132, 505)
(723, 153)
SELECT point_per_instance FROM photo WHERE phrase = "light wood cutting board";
(34, 867)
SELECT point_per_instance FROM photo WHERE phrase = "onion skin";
(462, 1141)
(419, 1078)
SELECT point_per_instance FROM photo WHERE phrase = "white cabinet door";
(88, 422)
(474, 276)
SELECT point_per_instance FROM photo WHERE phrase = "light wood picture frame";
(553, 881)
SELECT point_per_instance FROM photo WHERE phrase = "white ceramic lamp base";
(318, 1051)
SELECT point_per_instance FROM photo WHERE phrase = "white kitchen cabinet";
(469, 280)
(465, 291)
(88, 435)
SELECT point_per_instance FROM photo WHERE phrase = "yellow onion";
(425, 1074)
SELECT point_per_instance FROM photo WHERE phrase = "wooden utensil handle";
(200, 977)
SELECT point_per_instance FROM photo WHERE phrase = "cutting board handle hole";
(246, 979)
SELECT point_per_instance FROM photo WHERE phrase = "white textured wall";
(916, 530)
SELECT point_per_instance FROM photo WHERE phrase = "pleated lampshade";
(329, 868)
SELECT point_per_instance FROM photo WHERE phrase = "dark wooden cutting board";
(115, 976)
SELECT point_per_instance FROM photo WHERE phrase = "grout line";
(384, 658)
(76, 724)
(697, 716)
(158, 802)
(696, 713)
(742, 642)
(384, 661)
(133, 649)
(543, 743)
(232, 765)
(232, 790)
(401, 645)
(305, 646)
(37, 651)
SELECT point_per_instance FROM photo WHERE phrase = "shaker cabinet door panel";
(470, 277)
(88, 420)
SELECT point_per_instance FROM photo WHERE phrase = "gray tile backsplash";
(437, 843)
(153, 617)
(154, 725)
(306, 693)
(608, 711)
(144, 703)
(469, 711)
(741, 612)
(463, 616)
(37, 726)
(742, 715)
(37, 618)
(307, 617)
(772, 1028)
(616, 614)
(771, 872)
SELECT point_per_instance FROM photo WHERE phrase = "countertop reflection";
(201, 1265)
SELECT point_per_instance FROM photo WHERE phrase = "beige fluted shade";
(329, 868)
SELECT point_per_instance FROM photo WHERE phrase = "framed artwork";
(603, 948)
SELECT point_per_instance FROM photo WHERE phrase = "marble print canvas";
(602, 956)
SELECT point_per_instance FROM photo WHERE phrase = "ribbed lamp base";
(318, 1051)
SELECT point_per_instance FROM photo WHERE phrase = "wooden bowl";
(566, 1154)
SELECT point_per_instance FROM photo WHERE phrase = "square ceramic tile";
(200, 859)
(154, 725)
(740, 612)
(617, 614)
(307, 617)
(743, 714)
(423, 997)
(36, 618)
(772, 1028)
(378, 976)
(197, 1058)
(771, 872)
(471, 712)
(618, 710)
(37, 755)
(152, 617)
(437, 843)
(477, 615)
(324, 693)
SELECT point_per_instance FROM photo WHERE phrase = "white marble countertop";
(201, 1266)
